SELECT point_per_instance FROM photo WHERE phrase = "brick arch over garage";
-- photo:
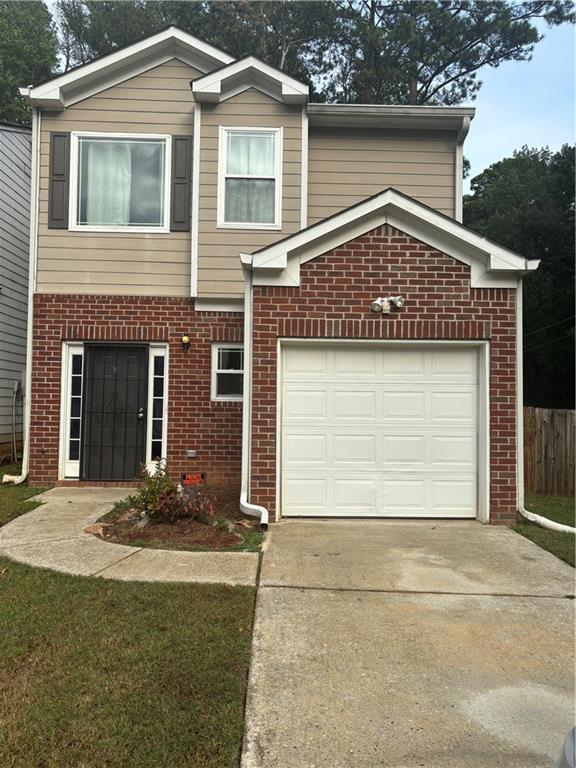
(332, 302)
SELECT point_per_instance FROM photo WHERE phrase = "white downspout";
(34, 170)
(255, 510)
(544, 522)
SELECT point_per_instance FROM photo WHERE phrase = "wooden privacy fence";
(549, 447)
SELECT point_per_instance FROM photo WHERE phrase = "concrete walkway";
(438, 644)
(52, 536)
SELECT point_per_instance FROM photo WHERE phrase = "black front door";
(114, 411)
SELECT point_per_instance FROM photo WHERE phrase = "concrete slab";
(83, 556)
(86, 494)
(52, 521)
(174, 566)
(361, 679)
(434, 556)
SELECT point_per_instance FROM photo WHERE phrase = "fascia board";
(176, 41)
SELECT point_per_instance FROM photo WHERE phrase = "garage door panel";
(403, 449)
(355, 449)
(454, 406)
(305, 448)
(354, 404)
(403, 405)
(379, 432)
(305, 404)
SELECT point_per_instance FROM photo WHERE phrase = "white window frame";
(70, 470)
(73, 225)
(157, 350)
(222, 176)
(215, 371)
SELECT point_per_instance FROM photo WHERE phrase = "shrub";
(152, 488)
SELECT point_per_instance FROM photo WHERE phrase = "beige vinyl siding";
(157, 101)
(219, 271)
(348, 165)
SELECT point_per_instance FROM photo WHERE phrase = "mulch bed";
(228, 531)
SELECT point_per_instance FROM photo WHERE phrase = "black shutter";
(181, 183)
(59, 181)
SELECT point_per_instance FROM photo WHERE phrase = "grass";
(14, 499)
(101, 673)
(561, 510)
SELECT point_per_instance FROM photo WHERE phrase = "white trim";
(519, 398)
(304, 172)
(68, 469)
(194, 233)
(222, 176)
(219, 305)
(459, 168)
(491, 265)
(157, 350)
(212, 87)
(215, 370)
(483, 425)
(73, 226)
(171, 43)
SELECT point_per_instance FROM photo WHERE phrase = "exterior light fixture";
(383, 305)
(185, 342)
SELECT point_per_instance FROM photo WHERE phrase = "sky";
(525, 102)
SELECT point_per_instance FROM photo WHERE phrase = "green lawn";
(100, 673)
(560, 509)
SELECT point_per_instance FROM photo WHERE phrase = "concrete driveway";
(437, 644)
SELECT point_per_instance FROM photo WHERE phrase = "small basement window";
(227, 371)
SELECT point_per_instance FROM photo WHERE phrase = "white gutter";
(543, 522)
(255, 510)
(459, 168)
(34, 171)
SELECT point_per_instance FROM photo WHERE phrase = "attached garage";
(373, 430)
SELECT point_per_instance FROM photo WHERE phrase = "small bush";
(152, 488)
(159, 498)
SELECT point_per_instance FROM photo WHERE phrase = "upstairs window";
(120, 183)
(249, 188)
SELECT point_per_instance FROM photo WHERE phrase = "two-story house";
(272, 292)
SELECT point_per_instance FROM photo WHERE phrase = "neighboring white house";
(15, 158)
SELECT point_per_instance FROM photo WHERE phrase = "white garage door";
(372, 431)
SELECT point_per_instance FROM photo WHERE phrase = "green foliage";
(28, 54)
(371, 51)
(526, 203)
(152, 488)
(426, 51)
(558, 508)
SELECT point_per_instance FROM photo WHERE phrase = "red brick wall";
(214, 429)
(332, 302)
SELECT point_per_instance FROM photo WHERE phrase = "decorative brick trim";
(333, 302)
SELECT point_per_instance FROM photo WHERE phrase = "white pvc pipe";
(34, 170)
(255, 510)
(544, 522)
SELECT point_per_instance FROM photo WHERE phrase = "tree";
(526, 202)
(289, 35)
(430, 51)
(28, 54)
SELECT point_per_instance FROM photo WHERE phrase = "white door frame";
(483, 405)
(71, 470)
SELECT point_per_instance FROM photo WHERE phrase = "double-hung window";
(249, 182)
(120, 183)
(227, 371)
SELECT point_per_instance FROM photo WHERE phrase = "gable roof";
(249, 72)
(86, 80)
(491, 264)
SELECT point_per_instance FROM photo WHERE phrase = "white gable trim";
(491, 265)
(249, 73)
(87, 80)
